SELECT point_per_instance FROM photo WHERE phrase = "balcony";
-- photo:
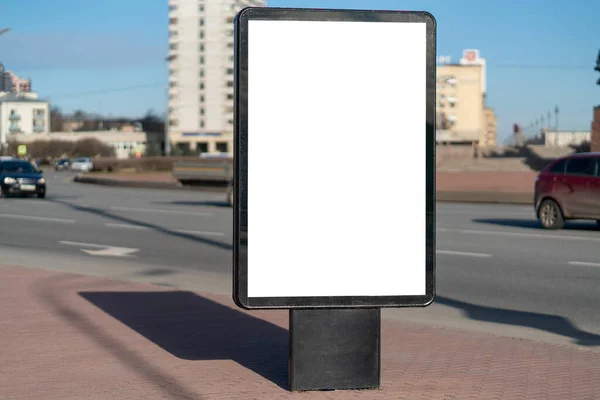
(38, 128)
(14, 117)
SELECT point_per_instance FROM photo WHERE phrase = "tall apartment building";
(4, 83)
(17, 84)
(462, 115)
(201, 47)
(10, 82)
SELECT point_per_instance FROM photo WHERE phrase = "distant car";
(215, 155)
(63, 164)
(21, 178)
(83, 164)
(568, 188)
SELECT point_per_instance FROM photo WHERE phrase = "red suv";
(568, 188)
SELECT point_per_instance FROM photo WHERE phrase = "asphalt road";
(497, 271)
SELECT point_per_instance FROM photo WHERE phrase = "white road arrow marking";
(103, 250)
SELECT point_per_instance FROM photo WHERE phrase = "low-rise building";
(23, 113)
(566, 138)
(125, 144)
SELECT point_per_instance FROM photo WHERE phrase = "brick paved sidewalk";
(66, 336)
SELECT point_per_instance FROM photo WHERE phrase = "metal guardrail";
(209, 170)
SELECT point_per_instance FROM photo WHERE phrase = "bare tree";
(56, 120)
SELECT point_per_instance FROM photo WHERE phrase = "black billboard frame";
(240, 187)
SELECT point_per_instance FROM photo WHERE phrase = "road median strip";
(447, 196)
(146, 183)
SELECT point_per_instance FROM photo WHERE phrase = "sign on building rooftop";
(335, 158)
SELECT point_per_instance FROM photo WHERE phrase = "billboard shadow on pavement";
(192, 327)
(555, 324)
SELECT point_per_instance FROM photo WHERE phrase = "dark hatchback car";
(19, 177)
(63, 164)
(568, 188)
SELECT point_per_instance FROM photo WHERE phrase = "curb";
(485, 197)
(441, 196)
(144, 184)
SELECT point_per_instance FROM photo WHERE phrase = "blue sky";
(78, 51)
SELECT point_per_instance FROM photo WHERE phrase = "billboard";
(326, 222)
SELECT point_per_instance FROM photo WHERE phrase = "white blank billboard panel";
(336, 158)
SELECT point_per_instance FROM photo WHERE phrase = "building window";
(228, 109)
(172, 7)
(184, 148)
(201, 85)
(229, 83)
(201, 123)
(230, 32)
(201, 34)
(172, 33)
(173, 21)
(201, 21)
(14, 119)
(229, 71)
(201, 8)
(231, 58)
(201, 98)
(202, 60)
(202, 147)
(172, 84)
(39, 120)
(229, 96)
(173, 46)
(230, 45)
(202, 47)
(173, 122)
(230, 20)
(202, 111)
(222, 147)
(230, 122)
(14, 116)
(202, 73)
